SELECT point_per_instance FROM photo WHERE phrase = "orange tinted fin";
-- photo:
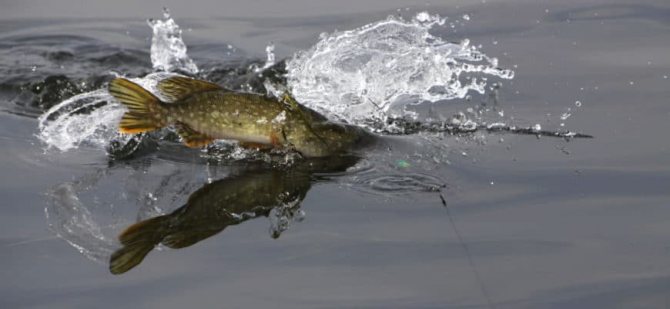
(179, 87)
(144, 109)
(137, 240)
(128, 257)
(187, 237)
(192, 138)
(143, 230)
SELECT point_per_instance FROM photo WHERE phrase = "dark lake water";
(530, 221)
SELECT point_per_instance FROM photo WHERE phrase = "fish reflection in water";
(217, 205)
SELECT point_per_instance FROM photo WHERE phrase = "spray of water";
(92, 118)
(73, 221)
(89, 119)
(375, 70)
(168, 51)
(369, 73)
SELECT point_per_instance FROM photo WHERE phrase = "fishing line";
(466, 249)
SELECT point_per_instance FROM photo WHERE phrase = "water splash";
(92, 118)
(89, 118)
(89, 211)
(74, 222)
(269, 57)
(168, 50)
(373, 72)
(83, 119)
(283, 215)
(370, 73)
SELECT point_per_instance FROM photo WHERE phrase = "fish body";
(208, 211)
(220, 204)
(202, 112)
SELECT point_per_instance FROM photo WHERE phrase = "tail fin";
(188, 237)
(138, 240)
(144, 109)
(128, 257)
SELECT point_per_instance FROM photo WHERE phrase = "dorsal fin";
(177, 88)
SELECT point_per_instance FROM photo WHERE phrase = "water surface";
(530, 222)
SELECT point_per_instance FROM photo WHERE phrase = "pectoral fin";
(192, 138)
(179, 87)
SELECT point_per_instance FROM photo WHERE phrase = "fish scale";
(202, 112)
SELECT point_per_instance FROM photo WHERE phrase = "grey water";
(469, 220)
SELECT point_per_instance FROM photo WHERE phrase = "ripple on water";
(398, 183)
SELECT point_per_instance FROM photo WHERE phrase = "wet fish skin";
(202, 112)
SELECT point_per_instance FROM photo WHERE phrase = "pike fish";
(221, 204)
(202, 112)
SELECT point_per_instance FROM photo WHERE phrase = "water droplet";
(34, 68)
(665, 76)
(423, 17)
(631, 82)
(578, 103)
(166, 12)
(537, 127)
(565, 116)
(466, 16)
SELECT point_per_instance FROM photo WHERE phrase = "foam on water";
(373, 72)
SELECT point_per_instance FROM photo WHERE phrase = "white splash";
(269, 59)
(168, 51)
(72, 221)
(270, 55)
(89, 118)
(92, 118)
(363, 74)
(367, 72)
(78, 120)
